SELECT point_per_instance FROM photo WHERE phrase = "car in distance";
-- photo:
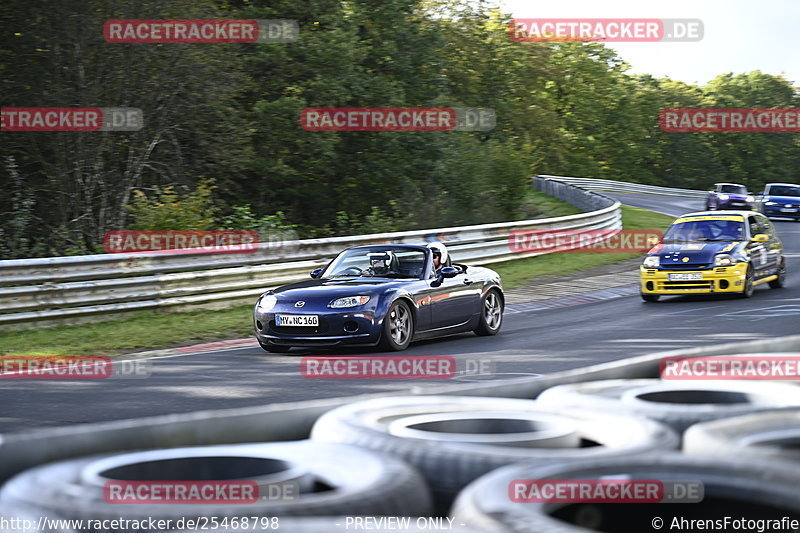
(386, 295)
(714, 252)
(729, 196)
(781, 200)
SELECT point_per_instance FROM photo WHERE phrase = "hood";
(794, 200)
(692, 253)
(337, 287)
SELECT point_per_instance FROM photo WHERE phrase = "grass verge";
(152, 330)
(521, 272)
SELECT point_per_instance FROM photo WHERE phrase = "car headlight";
(750, 199)
(772, 203)
(348, 301)
(651, 261)
(723, 196)
(723, 260)
(266, 303)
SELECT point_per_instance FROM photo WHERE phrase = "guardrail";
(48, 292)
(591, 184)
(69, 290)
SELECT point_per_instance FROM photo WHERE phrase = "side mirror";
(761, 237)
(449, 272)
(317, 272)
(652, 241)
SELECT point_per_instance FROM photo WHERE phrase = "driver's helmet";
(380, 262)
(439, 249)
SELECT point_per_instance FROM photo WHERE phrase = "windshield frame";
(377, 248)
(699, 219)
(795, 188)
(740, 189)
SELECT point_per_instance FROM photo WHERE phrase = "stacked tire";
(454, 440)
(328, 480)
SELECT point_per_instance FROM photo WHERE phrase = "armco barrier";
(591, 184)
(56, 291)
(293, 421)
(68, 290)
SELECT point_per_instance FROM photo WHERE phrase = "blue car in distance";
(729, 196)
(781, 200)
(384, 295)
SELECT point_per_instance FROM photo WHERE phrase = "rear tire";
(781, 281)
(650, 297)
(398, 327)
(274, 349)
(491, 317)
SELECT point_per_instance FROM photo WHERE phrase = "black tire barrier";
(453, 440)
(679, 405)
(769, 436)
(328, 480)
(732, 488)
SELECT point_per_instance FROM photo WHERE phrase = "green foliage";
(232, 111)
(166, 209)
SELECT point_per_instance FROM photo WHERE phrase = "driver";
(379, 263)
(731, 231)
(440, 255)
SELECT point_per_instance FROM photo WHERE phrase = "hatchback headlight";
(348, 301)
(267, 302)
(723, 196)
(651, 261)
(750, 199)
(723, 260)
(772, 203)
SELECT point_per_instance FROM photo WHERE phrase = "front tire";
(650, 297)
(273, 348)
(398, 327)
(749, 288)
(491, 314)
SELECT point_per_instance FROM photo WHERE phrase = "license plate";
(296, 320)
(785, 210)
(685, 277)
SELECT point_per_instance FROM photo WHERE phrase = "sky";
(740, 35)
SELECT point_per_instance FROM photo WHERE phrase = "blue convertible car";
(386, 295)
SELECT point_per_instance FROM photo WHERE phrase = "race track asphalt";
(538, 340)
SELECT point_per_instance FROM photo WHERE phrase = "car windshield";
(733, 189)
(698, 230)
(377, 261)
(784, 190)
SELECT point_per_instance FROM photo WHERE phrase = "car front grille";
(685, 266)
(688, 285)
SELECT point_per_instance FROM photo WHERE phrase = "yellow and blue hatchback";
(713, 252)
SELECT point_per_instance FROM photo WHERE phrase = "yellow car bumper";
(714, 280)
